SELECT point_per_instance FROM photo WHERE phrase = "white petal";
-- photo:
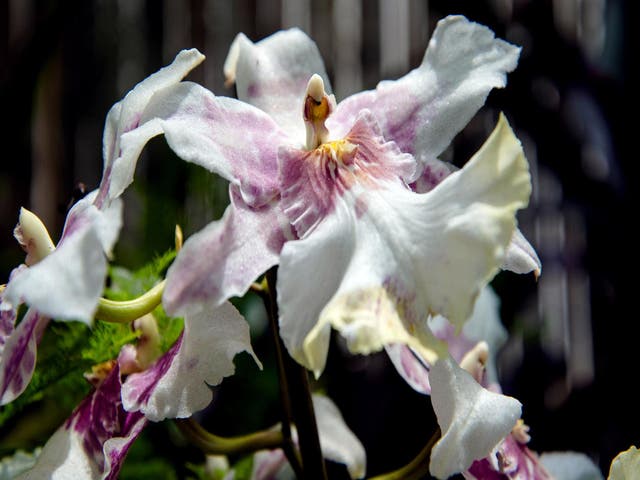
(309, 273)
(425, 109)
(521, 257)
(572, 466)
(337, 441)
(65, 285)
(63, 457)
(178, 384)
(472, 419)
(125, 116)
(273, 75)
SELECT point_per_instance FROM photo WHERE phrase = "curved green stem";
(213, 444)
(417, 468)
(127, 311)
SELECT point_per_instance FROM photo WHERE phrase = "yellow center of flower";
(338, 150)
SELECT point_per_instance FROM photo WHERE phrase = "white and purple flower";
(65, 282)
(324, 191)
(373, 235)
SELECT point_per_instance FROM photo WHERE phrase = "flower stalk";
(216, 445)
(129, 310)
(296, 398)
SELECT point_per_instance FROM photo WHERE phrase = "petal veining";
(312, 181)
(94, 441)
(18, 355)
(228, 137)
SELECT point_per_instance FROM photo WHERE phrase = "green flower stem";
(129, 310)
(215, 445)
(297, 381)
(418, 468)
(289, 446)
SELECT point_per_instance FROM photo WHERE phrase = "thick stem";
(213, 444)
(416, 469)
(289, 446)
(129, 310)
(297, 381)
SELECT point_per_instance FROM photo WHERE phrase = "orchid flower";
(330, 192)
(94, 441)
(474, 350)
(323, 190)
(65, 282)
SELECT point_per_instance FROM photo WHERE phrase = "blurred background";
(571, 355)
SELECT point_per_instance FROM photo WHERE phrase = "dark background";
(572, 358)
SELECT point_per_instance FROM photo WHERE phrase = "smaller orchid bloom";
(337, 442)
(472, 419)
(178, 383)
(94, 441)
(65, 282)
(483, 327)
(513, 460)
(323, 189)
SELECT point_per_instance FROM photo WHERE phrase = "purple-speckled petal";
(223, 259)
(125, 116)
(7, 323)
(425, 109)
(273, 75)
(223, 135)
(178, 384)
(513, 459)
(18, 358)
(385, 257)
(472, 419)
(433, 172)
(95, 439)
(411, 367)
